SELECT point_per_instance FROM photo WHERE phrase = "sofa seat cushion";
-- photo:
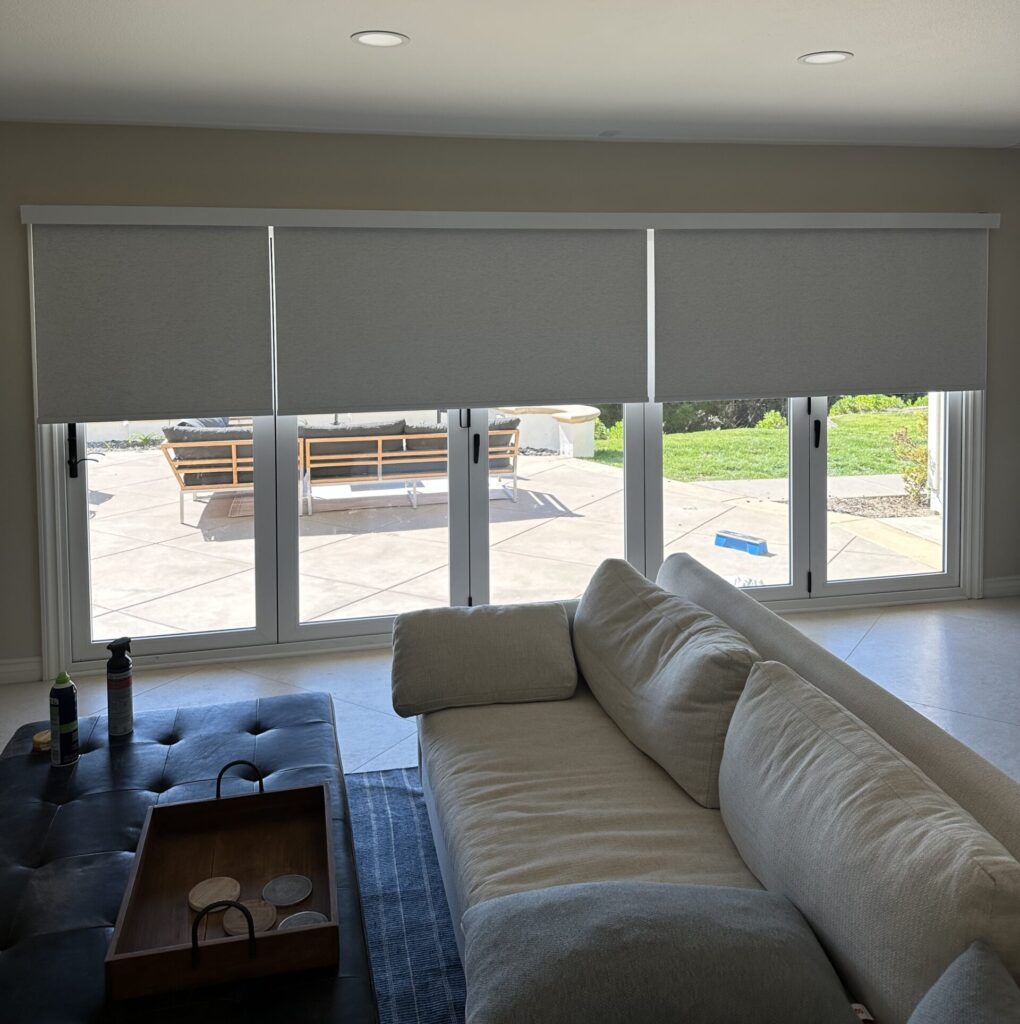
(667, 672)
(534, 795)
(894, 876)
(627, 952)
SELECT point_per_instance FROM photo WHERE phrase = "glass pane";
(555, 499)
(171, 528)
(726, 487)
(374, 528)
(886, 471)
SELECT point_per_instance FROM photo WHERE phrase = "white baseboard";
(1002, 586)
(20, 670)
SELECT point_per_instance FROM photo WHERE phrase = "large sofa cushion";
(490, 654)
(185, 432)
(894, 876)
(339, 446)
(625, 952)
(975, 988)
(533, 795)
(668, 672)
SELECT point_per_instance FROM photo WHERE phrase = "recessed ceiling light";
(825, 57)
(379, 37)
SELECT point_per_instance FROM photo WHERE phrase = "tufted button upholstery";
(68, 839)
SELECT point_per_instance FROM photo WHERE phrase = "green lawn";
(859, 444)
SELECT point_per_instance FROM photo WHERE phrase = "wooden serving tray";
(252, 838)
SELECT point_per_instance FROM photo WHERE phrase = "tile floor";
(958, 663)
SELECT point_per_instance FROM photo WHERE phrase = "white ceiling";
(927, 72)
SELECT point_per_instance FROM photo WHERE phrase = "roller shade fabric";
(382, 319)
(759, 313)
(145, 322)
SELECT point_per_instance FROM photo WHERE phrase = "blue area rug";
(417, 970)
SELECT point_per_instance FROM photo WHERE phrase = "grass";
(859, 444)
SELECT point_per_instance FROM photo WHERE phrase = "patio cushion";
(502, 440)
(342, 447)
(895, 877)
(426, 444)
(184, 431)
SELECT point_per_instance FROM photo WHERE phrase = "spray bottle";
(63, 722)
(119, 695)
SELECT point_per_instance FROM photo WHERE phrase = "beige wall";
(98, 164)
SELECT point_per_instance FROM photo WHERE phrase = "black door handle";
(478, 447)
(818, 432)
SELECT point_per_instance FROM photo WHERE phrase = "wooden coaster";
(263, 916)
(222, 887)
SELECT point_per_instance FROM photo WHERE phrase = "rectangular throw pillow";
(894, 876)
(665, 670)
(490, 654)
(645, 952)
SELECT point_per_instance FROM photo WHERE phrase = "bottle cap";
(63, 678)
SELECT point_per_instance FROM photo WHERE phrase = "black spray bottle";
(120, 703)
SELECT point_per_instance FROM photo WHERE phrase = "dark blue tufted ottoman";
(67, 841)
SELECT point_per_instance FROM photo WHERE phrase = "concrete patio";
(153, 575)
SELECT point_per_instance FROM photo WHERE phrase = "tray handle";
(234, 764)
(211, 908)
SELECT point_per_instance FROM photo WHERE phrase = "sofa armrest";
(491, 654)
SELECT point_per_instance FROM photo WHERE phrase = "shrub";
(865, 403)
(772, 420)
(912, 453)
(601, 431)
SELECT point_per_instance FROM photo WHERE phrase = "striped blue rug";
(418, 976)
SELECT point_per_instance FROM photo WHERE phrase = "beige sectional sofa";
(877, 825)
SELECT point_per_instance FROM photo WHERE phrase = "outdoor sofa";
(666, 803)
(216, 455)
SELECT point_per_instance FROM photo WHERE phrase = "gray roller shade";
(151, 322)
(380, 319)
(757, 313)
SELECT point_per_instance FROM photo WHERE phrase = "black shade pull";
(477, 447)
(818, 432)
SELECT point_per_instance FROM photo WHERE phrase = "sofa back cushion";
(414, 444)
(895, 877)
(665, 670)
(633, 952)
(337, 445)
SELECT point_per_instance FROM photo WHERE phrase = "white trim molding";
(1002, 586)
(20, 670)
(251, 217)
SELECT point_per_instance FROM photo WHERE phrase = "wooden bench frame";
(237, 462)
(382, 457)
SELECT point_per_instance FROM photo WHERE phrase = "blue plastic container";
(741, 542)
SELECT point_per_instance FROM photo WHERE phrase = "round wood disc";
(286, 890)
(263, 916)
(222, 887)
